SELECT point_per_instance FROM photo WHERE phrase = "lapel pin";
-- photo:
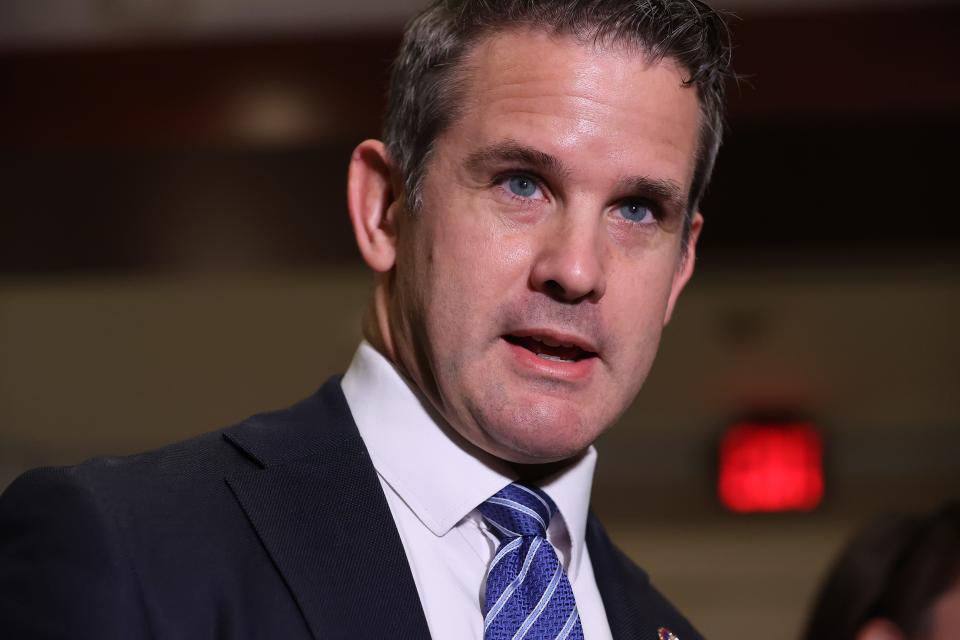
(665, 634)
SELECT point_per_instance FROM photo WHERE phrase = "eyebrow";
(514, 152)
(664, 190)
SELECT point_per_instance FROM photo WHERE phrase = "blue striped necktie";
(528, 594)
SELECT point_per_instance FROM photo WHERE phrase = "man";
(531, 219)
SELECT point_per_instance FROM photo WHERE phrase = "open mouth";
(549, 349)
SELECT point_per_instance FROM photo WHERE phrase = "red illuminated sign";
(771, 467)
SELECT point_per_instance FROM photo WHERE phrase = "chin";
(538, 457)
(538, 435)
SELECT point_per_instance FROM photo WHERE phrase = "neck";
(376, 329)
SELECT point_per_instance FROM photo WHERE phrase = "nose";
(569, 265)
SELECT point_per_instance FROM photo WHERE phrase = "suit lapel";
(635, 609)
(622, 586)
(320, 512)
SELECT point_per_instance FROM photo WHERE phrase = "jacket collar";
(316, 503)
(635, 609)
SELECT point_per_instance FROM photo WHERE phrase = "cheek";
(455, 279)
(636, 308)
(478, 258)
(644, 285)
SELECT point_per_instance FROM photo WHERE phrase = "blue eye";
(636, 212)
(522, 186)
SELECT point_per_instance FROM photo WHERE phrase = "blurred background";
(175, 255)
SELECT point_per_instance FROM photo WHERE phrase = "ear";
(372, 204)
(880, 629)
(685, 268)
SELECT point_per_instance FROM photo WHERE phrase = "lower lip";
(570, 370)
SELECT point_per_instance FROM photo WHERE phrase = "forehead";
(579, 100)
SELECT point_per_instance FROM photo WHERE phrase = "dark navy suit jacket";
(274, 528)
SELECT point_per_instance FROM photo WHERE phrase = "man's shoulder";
(192, 471)
(154, 532)
(633, 603)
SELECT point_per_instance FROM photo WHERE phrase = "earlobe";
(685, 268)
(372, 204)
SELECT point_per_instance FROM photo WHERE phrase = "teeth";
(547, 356)
(552, 343)
(550, 349)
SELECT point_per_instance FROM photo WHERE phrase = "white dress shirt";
(433, 481)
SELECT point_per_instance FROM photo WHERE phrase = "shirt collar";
(440, 476)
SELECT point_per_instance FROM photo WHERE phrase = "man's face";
(530, 291)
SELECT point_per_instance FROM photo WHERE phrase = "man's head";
(532, 215)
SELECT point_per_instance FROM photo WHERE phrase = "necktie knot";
(518, 511)
(528, 595)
